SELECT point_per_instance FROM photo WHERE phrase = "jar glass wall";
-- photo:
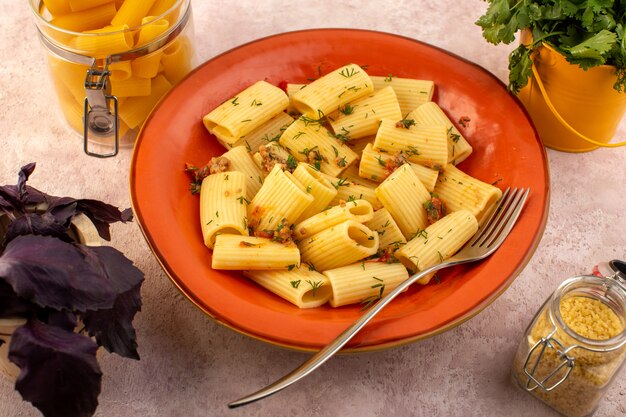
(574, 346)
(121, 55)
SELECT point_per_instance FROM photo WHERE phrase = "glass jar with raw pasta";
(112, 60)
(576, 343)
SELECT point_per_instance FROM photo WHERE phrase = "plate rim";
(166, 268)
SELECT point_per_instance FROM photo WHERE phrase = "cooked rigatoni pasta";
(268, 132)
(252, 253)
(313, 143)
(388, 231)
(378, 165)
(318, 186)
(403, 194)
(409, 92)
(84, 20)
(348, 190)
(222, 206)
(462, 191)
(300, 285)
(339, 245)
(240, 160)
(438, 242)
(360, 144)
(430, 114)
(331, 91)
(249, 109)
(279, 203)
(426, 145)
(358, 210)
(270, 155)
(364, 282)
(360, 118)
(131, 12)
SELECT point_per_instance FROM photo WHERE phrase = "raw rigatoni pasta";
(222, 206)
(364, 282)
(339, 245)
(131, 12)
(430, 114)
(312, 143)
(84, 20)
(438, 242)
(331, 91)
(388, 231)
(279, 203)
(360, 118)
(461, 191)
(149, 32)
(403, 194)
(135, 109)
(233, 252)
(410, 92)
(109, 40)
(318, 186)
(78, 5)
(358, 210)
(426, 145)
(249, 109)
(300, 285)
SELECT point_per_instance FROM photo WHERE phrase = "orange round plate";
(507, 152)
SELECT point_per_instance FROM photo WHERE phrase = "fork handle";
(329, 350)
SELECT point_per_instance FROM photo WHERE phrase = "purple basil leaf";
(10, 304)
(36, 224)
(62, 209)
(55, 274)
(23, 176)
(59, 371)
(64, 319)
(113, 328)
(102, 214)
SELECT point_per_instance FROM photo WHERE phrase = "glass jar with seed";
(576, 343)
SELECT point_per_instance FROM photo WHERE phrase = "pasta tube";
(388, 231)
(404, 196)
(299, 286)
(249, 109)
(358, 210)
(279, 203)
(461, 191)
(131, 12)
(438, 242)
(426, 145)
(311, 142)
(90, 19)
(364, 282)
(239, 160)
(378, 165)
(430, 114)
(319, 187)
(339, 245)
(410, 93)
(360, 118)
(222, 206)
(267, 133)
(253, 253)
(332, 91)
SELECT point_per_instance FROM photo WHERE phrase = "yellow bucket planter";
(573, 110)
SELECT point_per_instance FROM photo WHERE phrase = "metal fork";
(488, 238)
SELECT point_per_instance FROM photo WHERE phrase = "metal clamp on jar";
(576, 343)
(109, 78)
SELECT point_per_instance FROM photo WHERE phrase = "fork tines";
(503, 218)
